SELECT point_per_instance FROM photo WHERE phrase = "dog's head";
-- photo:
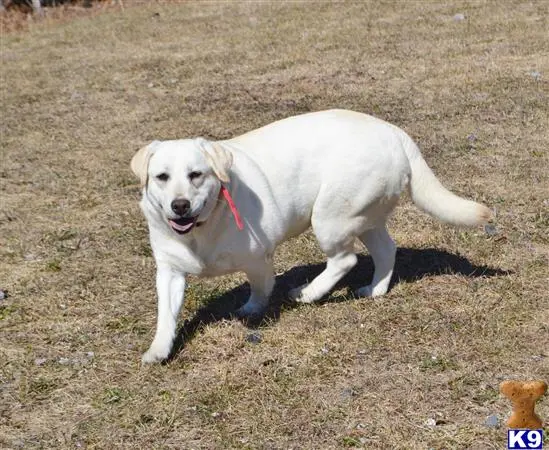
(182, 179)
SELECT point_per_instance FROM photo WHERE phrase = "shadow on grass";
(411, 265)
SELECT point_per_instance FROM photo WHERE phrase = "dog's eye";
(195, 174)
(163, 176)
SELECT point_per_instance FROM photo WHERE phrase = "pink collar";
(232, 206)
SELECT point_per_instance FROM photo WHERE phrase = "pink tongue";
(181, 227)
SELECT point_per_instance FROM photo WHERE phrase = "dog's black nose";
(180, 206)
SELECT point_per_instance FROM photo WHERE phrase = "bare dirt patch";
(418, 368)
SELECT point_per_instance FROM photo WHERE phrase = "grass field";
(418, 368)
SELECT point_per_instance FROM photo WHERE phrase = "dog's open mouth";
(182, 225)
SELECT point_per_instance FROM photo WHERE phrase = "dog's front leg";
(170, 288)
(261, 278)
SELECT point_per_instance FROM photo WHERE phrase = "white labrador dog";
(340, 172)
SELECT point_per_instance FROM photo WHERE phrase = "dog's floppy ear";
(218, 156)
(140, 162)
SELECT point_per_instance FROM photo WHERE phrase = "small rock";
(492, 421)
(150, 85)
(215, 414)
(490, 229)
(459, 17)
(40, 361)
(254, 338)
(76, 96)
(90, 355)
(348, 393)
(431, 422)
(3, 295)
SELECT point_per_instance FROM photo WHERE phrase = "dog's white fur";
(339, 171)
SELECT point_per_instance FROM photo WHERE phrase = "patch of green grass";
(145, 250)
(113, 395)
(41, 387)
(437, 364)
(6, 311)
(199, 295)
(126, 181)
(60, 235)
(53, 265)
(350, 441)
(127, 324)
(165, 395)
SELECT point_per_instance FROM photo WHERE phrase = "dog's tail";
(433, 198)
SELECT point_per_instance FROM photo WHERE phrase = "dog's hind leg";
(261, 278)
(382, 250)
(337, 267)
(341, 259)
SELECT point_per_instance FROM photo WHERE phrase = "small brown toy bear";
(523, 396)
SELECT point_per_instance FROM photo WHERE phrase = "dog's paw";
(369, 291)
(155, 355)
(365, 291)
(250, 309)
(300, 294)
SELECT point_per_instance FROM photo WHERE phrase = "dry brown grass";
(467, 310)
(19, 16)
